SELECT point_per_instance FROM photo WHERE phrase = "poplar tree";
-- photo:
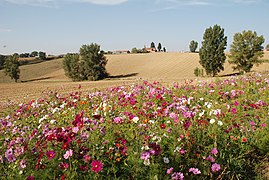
(212, 56)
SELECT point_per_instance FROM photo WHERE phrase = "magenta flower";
(30, 178)
(177, 176)
(234, 110)
(63, 165)
(51, 154)
(214, 151)
(96, 166)
(215, 167)
(210, 158)
(195, 170)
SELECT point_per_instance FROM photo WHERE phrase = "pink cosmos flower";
(51, 154)
(195, 170)
(22, 164)
(145, 155)
(170, 170)
(96, 166)
(215, 167)
(214, 151)
(75, 130)
(68, 154)
(117, 120)
(177, 176)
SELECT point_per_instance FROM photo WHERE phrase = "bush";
(198, 72)
(88, 65)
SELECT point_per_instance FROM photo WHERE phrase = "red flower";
(96, 166)
(83, 168)
(244, 139)
(163, 126)
(50, 154)
(30, 178)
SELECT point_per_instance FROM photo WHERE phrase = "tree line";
(90, 62)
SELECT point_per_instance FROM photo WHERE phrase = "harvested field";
(38, 79)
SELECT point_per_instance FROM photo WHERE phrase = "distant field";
(49, 75)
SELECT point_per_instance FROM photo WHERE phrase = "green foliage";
(152, 45)
(71, 66)
(159, 47)
(2, 61)
(24, 55)
(245, 50)
(34, 54)
(88, 65)
(11, 67)
(212, 56)
(199, 72)
(135, 50)
(42, 55)
(193, 46)
(139, 131)
(164, 49)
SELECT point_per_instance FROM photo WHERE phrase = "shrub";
(88, 65)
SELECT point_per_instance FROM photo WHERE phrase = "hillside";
(164, 67)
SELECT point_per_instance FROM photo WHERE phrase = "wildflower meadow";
(201, 130)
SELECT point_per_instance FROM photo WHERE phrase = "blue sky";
(62, 26)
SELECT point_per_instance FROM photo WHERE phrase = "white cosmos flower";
(212, 121)
(166, 160)
(220, 123)
(147, 162)
(135, 119)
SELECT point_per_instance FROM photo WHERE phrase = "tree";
(212, 56)
(42, 55)
(164, 49)
(245, 50)
(2, 61)
(89, 64)
(134, 50)
(159, 47)
(11, 67)
(34, 54)
(152, 45)
(71, 66)
(193, 46)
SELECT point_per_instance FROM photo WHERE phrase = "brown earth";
(38, 79)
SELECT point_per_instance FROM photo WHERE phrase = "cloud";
(45, 3)
(5, 29)
(103, 2)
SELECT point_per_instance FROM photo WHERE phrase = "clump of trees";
(89, 64)
(11, 67)
(135, 50)
(193, 46)
(246, 49)
(212, 56)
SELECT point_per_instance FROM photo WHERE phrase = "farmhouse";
(151, 50)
